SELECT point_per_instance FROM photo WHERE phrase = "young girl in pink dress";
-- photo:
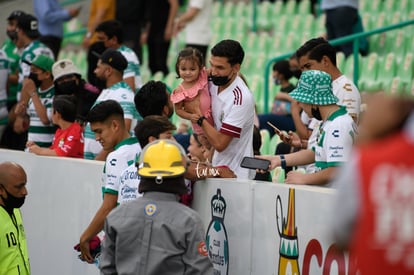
(193, 90)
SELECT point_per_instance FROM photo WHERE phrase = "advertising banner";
(269, 228)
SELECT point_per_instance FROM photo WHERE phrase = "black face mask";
(316, 113)
(219, 80)
(12, 35)
(67, 88)
(35, 79)
(11, 201)
(297, 73)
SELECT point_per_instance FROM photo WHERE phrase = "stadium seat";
(264, 15)
(368, 80)
(255, 84)
(304, 7)
(265, 136)
(241, 10)
(274, 141)
(397, 87)
(405, 69)
(277, 9)
(278, 175)
(340, 61)
(281, 23)
(70, 26)
(158, 76)
(217, 9)
(372, 6)
(380, 20)
(171, 80)
(386, 70)
(290, 7)
(349, 66)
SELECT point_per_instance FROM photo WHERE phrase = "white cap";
(64, 67)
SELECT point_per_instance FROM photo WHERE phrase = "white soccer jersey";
(40, 133)
(233, 114)
(128, 184)
(133, 69)
(335, 140)
(348, 95)
(117, 161)
(121, 93)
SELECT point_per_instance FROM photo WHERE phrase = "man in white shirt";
(232, 105)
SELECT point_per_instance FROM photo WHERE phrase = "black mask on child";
(316, 113)
(35, 79)
(67, 88)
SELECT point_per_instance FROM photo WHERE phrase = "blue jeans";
(340, 22)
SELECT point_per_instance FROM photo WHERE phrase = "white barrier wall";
(63, 196)
(271, 228)
(252, 227)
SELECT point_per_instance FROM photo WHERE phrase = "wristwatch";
(283, 161)
(200, 120)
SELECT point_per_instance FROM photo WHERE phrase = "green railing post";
(353, 37)
(254, 16)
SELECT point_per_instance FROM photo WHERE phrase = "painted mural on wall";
(216, 239)
(288, 232)
(328, 260)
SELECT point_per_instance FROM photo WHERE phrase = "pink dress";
(186, 95)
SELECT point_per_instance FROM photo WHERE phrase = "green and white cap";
(314, 87)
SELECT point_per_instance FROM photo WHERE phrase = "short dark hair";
(65, 105)
(111, 28)
(105, 110)
(316, 49)
(231, 49)
(191, 54)
(283, 67)
(151, 98)
(152, 126)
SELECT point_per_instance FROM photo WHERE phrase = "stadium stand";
(281, 28)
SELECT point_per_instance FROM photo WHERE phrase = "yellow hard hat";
(162, 158)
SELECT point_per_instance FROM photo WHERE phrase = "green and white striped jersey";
(40, 133)
(121, 93)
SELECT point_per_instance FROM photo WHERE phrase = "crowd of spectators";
(46, 108)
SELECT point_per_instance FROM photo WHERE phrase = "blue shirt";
(51, 17)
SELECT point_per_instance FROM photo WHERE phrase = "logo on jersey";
(335, 133)
(112, 162)
(202, 248)
(347, 87)
(150, 209)
(238, 96)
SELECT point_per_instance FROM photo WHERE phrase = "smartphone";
(277, 130)
(255, 163)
